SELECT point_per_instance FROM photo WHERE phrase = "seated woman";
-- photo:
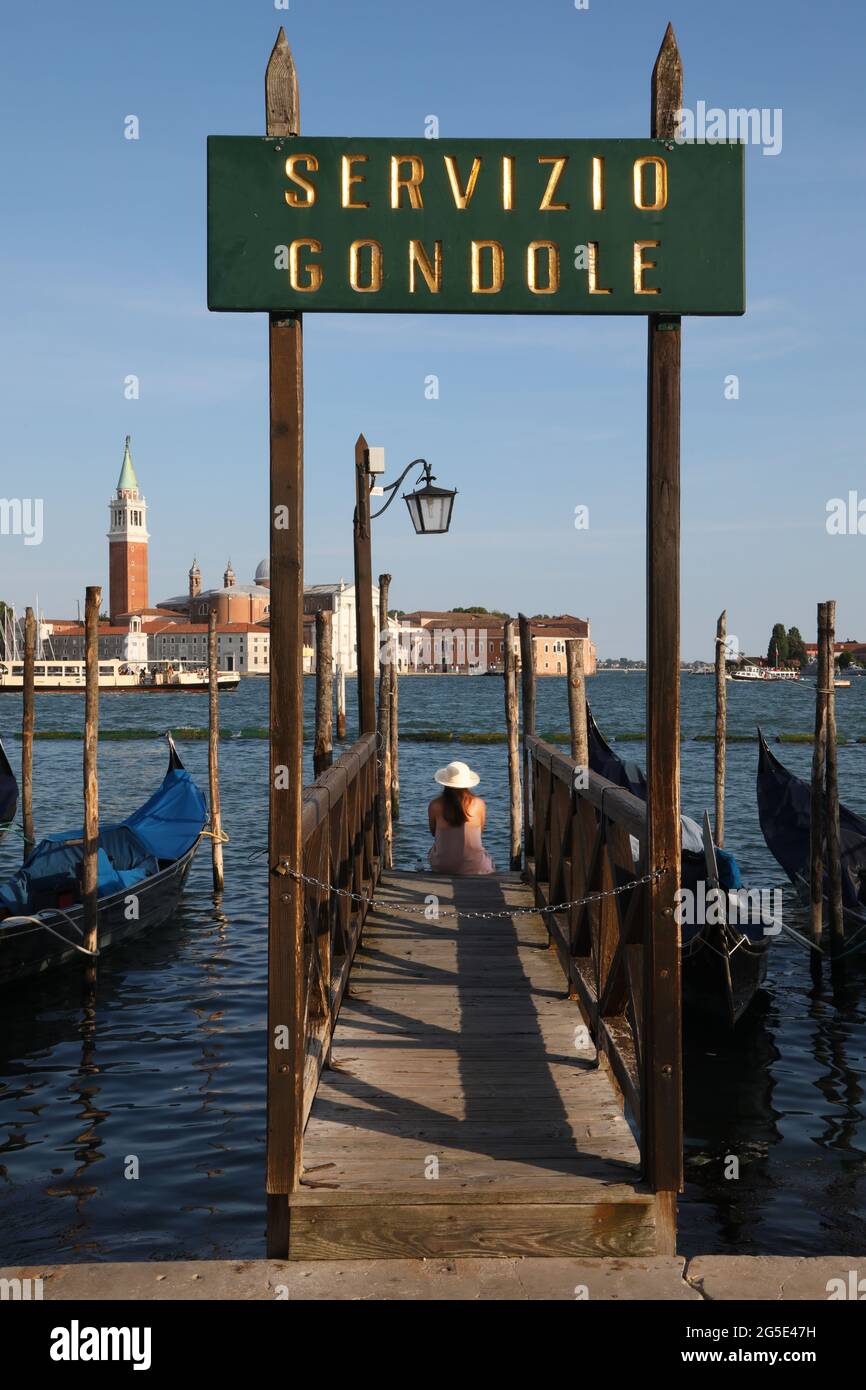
(456, 820)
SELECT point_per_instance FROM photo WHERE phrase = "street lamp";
(429, 507)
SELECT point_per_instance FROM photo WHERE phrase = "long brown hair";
(455, 804)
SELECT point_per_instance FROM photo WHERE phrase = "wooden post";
(91, 780)
(661, 1089)
(834, 847)
(341, 703)
(28, 722)
(527, 681)
(285, 853)
(721, 726)
(323, 749)
(395, 743)
(213, 757)
(511, 726)
(386, 829)
(816, 827)
(577, 701)
(366, 637)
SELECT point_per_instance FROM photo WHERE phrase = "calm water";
(167, 1065)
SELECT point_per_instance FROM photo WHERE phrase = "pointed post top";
(360, 448)
(666, 97)
(282, 115)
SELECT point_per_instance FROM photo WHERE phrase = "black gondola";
(724, 954)
(142, 866)
(8, 792)
(785, 813)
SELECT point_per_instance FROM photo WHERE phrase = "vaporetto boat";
(59, 677)
(763, 673)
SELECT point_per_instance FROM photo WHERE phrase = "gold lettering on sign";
(349, 179)
(640, 265)
(497, 267)
(418, 259)
(592, 270)
(412, 184)
(292, 197)
(559, 162)
(508, 182)
(597, 184)
(552, 250)
(660, 174)
(375, 279)
(313, 271)
(462, 197)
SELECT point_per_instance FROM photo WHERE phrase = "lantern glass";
(430, 509)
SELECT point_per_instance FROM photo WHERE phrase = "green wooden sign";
(475, 226)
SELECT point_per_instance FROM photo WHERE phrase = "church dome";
(263, 572)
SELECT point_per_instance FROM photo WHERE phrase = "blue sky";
(103, 275)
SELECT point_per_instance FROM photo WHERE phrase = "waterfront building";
(549, 636)
(232, 602)
(468, 642)
(339, 600)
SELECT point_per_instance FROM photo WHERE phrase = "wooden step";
(496, 1223)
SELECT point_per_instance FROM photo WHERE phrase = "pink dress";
(457, 849)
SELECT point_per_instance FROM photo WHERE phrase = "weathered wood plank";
(452, 1230)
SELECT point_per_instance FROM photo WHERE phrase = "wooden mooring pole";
(386, 832)
(527, 683)
(395, 741)
(89, 881)
(323, 748)
(28, 722)
(213, 755)
(285, 892)
(577, 701)
(661, 1089)
(366, 637)
(512, 721)
(834, 839)
(341, 702)
(721, 727)
(816, 827)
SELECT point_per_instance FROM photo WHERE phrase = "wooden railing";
(340, 848)
(581, 844)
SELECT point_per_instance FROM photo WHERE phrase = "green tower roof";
(127, 481)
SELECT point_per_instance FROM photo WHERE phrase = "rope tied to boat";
(40, 922)
(221, 837)
(411, 908)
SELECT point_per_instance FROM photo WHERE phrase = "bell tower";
(127, 543)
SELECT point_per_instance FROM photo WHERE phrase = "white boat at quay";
(59, 677)
(763, 673)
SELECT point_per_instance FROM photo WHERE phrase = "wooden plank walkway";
(464, 1113)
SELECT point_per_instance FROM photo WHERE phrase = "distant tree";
(777, 651)
(483, 612)
(845, 660)
(797, 647)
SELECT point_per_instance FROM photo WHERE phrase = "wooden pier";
(465, 1112)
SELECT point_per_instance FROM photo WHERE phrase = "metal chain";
(381, 905)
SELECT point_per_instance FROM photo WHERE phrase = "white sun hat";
(457, 775)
